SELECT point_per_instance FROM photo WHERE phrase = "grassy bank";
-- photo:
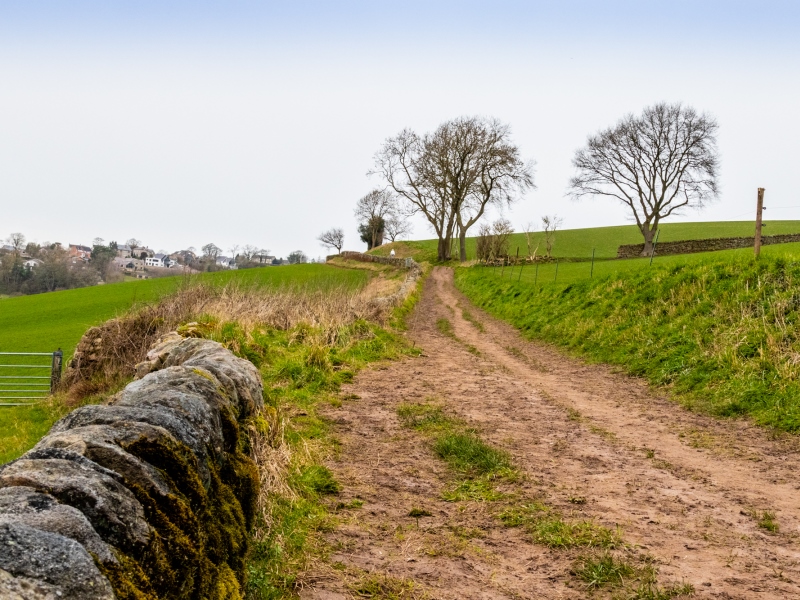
(720, 331)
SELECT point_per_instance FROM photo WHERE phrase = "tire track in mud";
(682, 487)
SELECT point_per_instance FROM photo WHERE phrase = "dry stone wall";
(148, 496)
(706, 245)
(384, 260)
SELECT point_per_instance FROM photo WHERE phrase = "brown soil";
(682, 487)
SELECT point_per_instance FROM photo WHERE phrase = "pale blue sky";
(239, 122)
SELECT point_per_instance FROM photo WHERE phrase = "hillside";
(719, 330)
(578, 243)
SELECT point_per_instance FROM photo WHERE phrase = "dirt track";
(683, 488)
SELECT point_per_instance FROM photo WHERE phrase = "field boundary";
(705, 245)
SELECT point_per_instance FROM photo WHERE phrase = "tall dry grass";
(110, 352)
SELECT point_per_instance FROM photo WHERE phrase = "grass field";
(579, 243)
(45, 322)
(719, 329)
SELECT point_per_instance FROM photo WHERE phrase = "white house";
(32, 263)
(228, 263)
(159, 260)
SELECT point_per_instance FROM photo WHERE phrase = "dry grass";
(109, 353)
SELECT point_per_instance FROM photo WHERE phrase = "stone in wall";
(148, 496)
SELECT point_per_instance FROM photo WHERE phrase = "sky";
(184, 123)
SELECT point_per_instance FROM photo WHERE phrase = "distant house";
(226, 262)
(124, 251)
(158, 260)
(32, 263)
(7, 248)
(183, 257)
(128, 265)
(81, 252)
(264, 259)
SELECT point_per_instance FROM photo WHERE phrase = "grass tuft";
(603, 569)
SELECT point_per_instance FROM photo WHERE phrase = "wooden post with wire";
(759, 211)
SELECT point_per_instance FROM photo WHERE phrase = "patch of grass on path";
(478, 469)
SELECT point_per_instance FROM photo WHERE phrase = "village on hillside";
(30, 268)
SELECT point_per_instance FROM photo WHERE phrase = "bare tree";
(550, 224)
(133, 243)
(499, 173)
(17, 240)
(453, 174)
(249, 251)
(529, 229)
(333, 238)
(396, 227)
(211, 251)
(234, 251)
(656, 164)
(372, 211)
(501, 237)
(98, 241)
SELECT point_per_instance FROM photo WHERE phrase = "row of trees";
(657, 163)
(54, 270)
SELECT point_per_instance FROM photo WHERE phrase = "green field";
(579, 243)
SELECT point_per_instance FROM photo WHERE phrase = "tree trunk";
(648, 234)
(441, 251)
(462, 245)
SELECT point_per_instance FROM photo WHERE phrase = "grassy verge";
(720, 332)
(300, 371)
(303, 369)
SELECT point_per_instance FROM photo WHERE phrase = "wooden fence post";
(759, 210)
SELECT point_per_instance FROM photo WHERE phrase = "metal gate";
(28, 377)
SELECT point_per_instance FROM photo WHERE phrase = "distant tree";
(211, 251)
(371, 232)
(33, 249)
(297, 257)
(493, 240)
(98, 241)
(101, 258)
(235, 250)
(655, 164)
(529, 241)
(133, 243)
(450, 176)
(113, 246)
(277, 261)
(333, 238)
(248, 252)
(396, 227)
(17, 240)
(372, 210)
(550, 224)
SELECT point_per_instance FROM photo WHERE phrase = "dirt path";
(684, 489)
